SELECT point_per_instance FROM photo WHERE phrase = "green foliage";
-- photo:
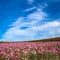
(0, 58)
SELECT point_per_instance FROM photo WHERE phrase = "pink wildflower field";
(30, 50)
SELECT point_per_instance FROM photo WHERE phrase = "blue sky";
(22, 20)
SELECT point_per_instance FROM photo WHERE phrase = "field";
(49, 50)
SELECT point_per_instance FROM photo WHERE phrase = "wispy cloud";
(35, 29)
(47, 30)
(31, 20)
(29, 9)
(30, 1)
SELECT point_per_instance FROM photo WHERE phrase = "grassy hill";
(48, 39)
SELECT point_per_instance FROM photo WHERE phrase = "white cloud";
(47, 30)
(15, 33)
(29, 9)
(31, 19)
(42, 5)
(34, 30)
(37, 15)
(30, 1)
(50, 29)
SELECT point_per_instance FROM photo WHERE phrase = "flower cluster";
(28, 50)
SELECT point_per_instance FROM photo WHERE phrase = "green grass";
(47, 56)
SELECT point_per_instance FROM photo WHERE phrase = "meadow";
(30, 50)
